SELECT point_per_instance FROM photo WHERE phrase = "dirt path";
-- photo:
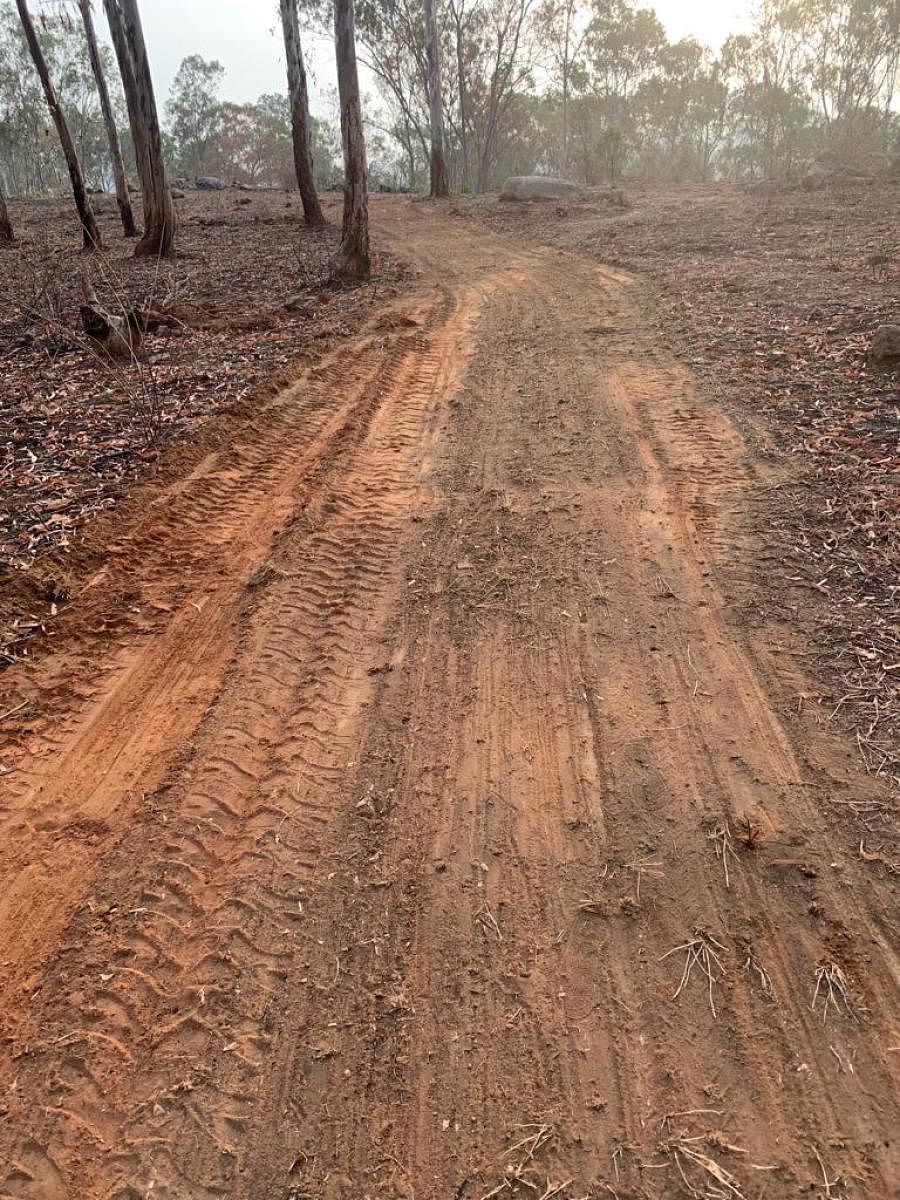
(373, 867)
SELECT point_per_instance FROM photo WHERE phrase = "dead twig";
(721, 839)
(530, 1144)
(699, 952)
(488, 921)
(833, 990)
(642, 867)
(827, 1183)
(753, 968)
(684, 1152)
(10, 711)
(666, 591)
(517, 1169)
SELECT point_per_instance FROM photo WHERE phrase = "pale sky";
(245, 36)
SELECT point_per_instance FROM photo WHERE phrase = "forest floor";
(770, 298)
(430, 789)
(251, 300)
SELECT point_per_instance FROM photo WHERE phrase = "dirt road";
(444, 831)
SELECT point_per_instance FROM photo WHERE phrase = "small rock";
(816, 177)
(209, 183)
(177, 193)
(538, 187)
(886, 343)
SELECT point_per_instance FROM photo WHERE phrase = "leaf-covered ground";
(252, 300)
(773, 301)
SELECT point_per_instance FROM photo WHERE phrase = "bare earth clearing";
(439, 825)
(251, 301)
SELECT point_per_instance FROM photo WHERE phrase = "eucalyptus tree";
(90, 229)
(440, 183)
(6, 229)
(109, 121)
(131, 52)
(354, 259)
(301, 125)
(561, 28)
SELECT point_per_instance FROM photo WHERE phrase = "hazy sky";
(245, 36)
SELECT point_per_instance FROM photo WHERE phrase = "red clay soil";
(249, 300)
(772, 296)
(446, 831)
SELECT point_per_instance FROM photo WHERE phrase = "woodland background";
(594, 91)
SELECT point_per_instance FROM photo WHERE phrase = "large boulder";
(816, 176)
(538, 187)
(209, 183)
(886, 343)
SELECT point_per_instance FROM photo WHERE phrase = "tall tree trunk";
(6, 229)
(566, 71)
(565, 123)
(300, 121)
(85, 213)
(353, 260)
(463, 112)
(112, 135)
(134, 67)
(440, 183)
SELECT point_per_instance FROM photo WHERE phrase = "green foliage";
(590, 88)
(194, 116)
(613, 95)
(241, 143)
(30, 157)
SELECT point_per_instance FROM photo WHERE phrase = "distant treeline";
(593, 90)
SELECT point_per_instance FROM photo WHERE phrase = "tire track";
(202, 924)
(418, 878)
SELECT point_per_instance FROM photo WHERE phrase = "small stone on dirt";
(886, 343)
(538, 187)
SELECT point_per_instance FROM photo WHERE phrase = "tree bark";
(566, 66)
(440, 183)
(461, 84)
(6, 229)
(128, 40)
(112, 136)
(300, 120)
(353, 261)
(85, 213)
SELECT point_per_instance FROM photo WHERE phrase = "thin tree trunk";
(128, 41)
(565, 91)
(129, 86)
(300, 121)
(353, 260)
(85, 213)
(109, 121)
(463, 115)
(565, 122)
(6, 229)
(440, 184)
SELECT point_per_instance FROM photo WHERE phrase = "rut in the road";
(378, 877)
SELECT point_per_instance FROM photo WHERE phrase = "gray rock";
(886, 343)
(816, 176)
(209, 183)
(538, 187)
